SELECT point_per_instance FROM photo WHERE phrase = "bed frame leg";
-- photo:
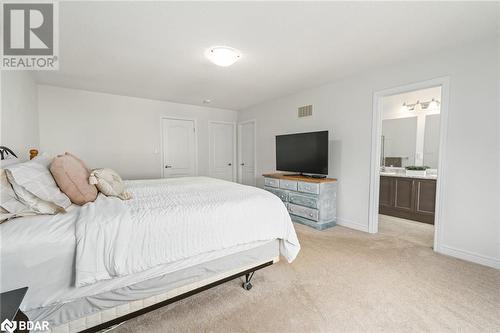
(247, 285)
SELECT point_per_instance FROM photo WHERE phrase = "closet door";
(222, 150)
(246, 153)
(179, 147)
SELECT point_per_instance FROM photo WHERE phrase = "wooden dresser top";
(299, 178)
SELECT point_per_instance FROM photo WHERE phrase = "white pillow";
(109, 183)
(8, 161)
(10, 206)
(36, 188)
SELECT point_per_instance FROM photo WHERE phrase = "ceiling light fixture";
(223, 56)
(207, 101)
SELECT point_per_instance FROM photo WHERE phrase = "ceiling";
(155, 49)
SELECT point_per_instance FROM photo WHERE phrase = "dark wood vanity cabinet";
(408, 198)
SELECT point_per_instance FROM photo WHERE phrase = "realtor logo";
(30, 36)
(8, 326)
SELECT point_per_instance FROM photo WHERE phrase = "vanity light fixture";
(223, 56)
(432, 105)
(409, 107)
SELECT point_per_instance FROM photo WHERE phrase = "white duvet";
(172, 219)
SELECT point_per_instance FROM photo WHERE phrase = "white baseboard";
(351, 224)
(469, 256)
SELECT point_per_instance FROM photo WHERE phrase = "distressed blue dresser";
(309, 201)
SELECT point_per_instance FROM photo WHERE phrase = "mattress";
(88, 311)
(39, 251)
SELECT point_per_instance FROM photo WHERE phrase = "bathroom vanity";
(412, 198)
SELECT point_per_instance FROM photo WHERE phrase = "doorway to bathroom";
(406, 162)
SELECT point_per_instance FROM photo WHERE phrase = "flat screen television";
(305, 153)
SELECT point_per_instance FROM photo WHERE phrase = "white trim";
(351, 224)
(233, 161)
(470, 256)
(195, 124)
(254, 121)
(444, 83)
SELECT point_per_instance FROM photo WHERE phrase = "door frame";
(195, 124)
(240, 173)
(210, 122)
(444, 83)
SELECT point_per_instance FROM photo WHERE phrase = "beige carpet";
(345, 281)
(411, 231)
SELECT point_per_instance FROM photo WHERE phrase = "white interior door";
(246, 156)
(179, 148)
(222, 150)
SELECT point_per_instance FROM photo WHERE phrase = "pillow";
(8, 198)
(109, 183)
(10, 206)
(79, 160)
(72, 177)
(8, 161)
(35, 187)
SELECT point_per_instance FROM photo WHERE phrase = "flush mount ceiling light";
(223, 56)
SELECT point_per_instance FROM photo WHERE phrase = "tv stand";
(310, 201)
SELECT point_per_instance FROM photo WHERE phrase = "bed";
(111, 260)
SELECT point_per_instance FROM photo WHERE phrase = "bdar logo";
(8, 326)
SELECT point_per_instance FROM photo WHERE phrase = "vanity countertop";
(402, 175)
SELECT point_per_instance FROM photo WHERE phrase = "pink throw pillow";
(72, 177)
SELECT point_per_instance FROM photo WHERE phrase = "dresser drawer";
(308, 213)
(303, 200)
(308, 187)
(272, 182)
(283, 195)
(288, 184)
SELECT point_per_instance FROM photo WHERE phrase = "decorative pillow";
(109, 183)
(72, 177)
(35, 187)
(79, 160)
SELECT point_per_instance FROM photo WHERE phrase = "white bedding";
(39, 251)
(173, 219)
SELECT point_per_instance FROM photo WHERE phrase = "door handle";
(167, 166)
(230, 164)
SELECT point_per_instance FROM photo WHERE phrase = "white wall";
(471, 216)
(119, 132)
(19, 116)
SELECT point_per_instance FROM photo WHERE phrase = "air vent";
(305, 111)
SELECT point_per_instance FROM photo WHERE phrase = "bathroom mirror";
(399, 141)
